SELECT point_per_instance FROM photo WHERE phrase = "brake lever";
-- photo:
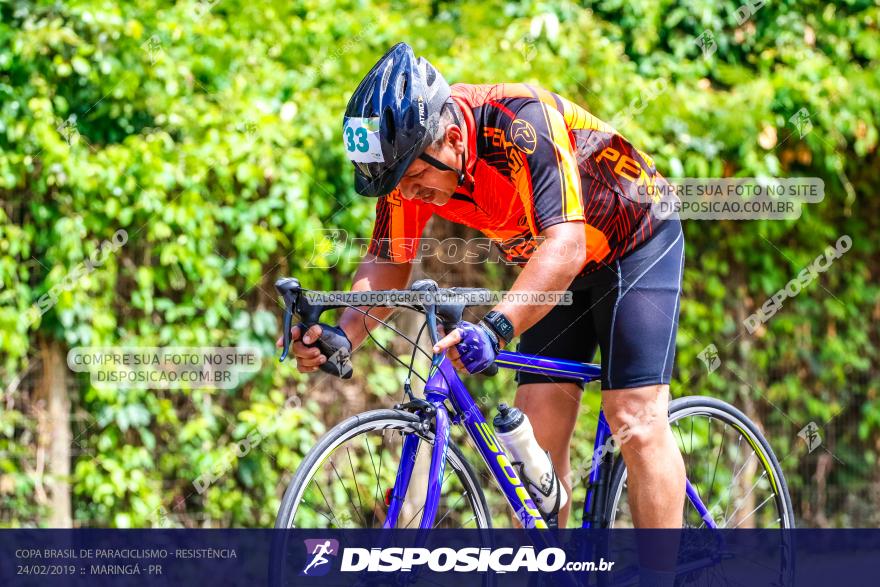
(288, 318)
(289, 289)
(431, 317)
(429, 285)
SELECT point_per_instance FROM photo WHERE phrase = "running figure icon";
(319, 551)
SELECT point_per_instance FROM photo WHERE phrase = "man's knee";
(637, 416)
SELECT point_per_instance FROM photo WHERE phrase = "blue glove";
(478, 347)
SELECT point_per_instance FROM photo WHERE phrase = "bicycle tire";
(684, 406)
(406, 422)
(715, 408)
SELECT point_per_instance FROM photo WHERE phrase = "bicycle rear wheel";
(727, 460)
(739, 480)
(343, 480)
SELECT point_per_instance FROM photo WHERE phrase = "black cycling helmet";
(391, 118)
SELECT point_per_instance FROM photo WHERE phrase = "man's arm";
(552, 178)
(552, 267)
(547, 170)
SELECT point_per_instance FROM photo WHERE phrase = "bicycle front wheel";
(729, 463)
(344, 479)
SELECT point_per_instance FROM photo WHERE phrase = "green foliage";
(209, 133)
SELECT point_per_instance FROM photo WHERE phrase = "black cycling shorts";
(629, 309)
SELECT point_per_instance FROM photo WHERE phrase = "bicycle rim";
(342, 482)
(730, 464)
(714, 435)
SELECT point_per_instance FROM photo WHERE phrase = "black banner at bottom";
(458, 558)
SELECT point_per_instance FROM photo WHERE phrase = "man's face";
(425, 183)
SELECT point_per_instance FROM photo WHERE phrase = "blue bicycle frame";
(445, 384)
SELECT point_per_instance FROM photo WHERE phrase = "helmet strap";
(444, 167)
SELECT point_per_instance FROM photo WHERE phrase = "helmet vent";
(401, 88)
(389, 129)
(385, 75)
(368, 102)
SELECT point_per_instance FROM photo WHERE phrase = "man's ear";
(455, 136)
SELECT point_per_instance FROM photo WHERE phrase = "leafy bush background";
(209, 132)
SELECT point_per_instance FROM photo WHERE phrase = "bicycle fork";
(435, 473)
(442, 384)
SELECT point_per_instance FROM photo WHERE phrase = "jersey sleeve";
(398, 228)
(544, 165)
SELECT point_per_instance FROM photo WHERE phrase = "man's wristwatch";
(500, 325)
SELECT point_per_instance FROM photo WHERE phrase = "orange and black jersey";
(535, 159)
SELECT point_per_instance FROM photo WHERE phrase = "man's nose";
(408, 189)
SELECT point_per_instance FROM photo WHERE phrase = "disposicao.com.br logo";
(469, 559)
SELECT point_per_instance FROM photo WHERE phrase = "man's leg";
(552, 409)
(655, 469)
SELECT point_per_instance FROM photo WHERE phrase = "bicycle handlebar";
(449, 312)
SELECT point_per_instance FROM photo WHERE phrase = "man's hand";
(311, 358)
(308, 359)
(470, 347)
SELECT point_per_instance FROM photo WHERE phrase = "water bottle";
(513, 429)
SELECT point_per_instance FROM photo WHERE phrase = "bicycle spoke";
(755, 510)
(680, 437)
(450, 509)
(329, 507)
(329, 504)
(329, 519)
(717, 459)
(378, 481)
(764, 474)
(692, 434)
(738, 443)
(720, 481)
(356, 485)
(736, 482)
(743, 468)
(733, 484)
(379, 475)
(423, 505)
(345, 488)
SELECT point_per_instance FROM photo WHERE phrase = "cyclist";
(561, 193)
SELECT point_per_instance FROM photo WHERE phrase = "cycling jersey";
(627, 309)
(535, 159)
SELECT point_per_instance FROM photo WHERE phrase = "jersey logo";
(522, 134)
(513, 153)
(393, 199)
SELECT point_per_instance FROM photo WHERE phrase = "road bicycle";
(397, 468)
